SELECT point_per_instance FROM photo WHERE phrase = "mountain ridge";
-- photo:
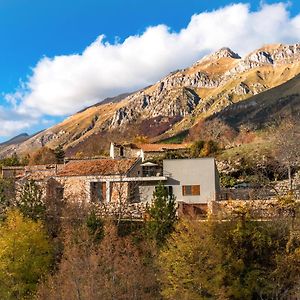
(177, 101)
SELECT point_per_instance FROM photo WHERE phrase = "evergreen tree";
(59, 154)
(162, 215)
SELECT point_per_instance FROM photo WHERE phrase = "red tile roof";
(97, 167)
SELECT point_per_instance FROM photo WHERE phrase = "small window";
(191, 190)
(122, 151)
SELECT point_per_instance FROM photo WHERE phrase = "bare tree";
(113, 269)
(286, 140)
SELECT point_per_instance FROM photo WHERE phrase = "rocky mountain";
(177, 101)
(267, 107)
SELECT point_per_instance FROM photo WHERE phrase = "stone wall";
(283, 186)
(255, 208)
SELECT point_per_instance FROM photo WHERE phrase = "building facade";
(192, 181)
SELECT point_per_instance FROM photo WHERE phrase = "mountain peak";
(222, 53)
(16, 140)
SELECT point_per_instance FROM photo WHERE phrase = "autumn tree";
(43, 156)
(203, 148)
(112, 269)
(25, 256)
(237, 259)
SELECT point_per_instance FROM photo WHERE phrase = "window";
(191, 190)
(98, 191)
(122, 151)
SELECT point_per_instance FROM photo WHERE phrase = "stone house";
(107, 180)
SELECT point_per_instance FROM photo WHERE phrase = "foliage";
(196, 148)
(203, 148)
(30, 201)
(140, 139)
(13, 161)
(237, 259)
(43, 156)
(174, 155)
(162, 215)
(175, 139)
(210, 148)
(227, 180)
(95, 226)
(25, 256)
(59, 154)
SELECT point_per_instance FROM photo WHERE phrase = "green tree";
(25, 255)
(59, 154)
(30, 200)
(162, 215)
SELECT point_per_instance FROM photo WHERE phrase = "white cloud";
(13, 122)
(64, 84)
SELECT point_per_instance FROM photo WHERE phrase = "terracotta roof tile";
(97, 167)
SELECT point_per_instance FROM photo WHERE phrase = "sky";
(59, 56)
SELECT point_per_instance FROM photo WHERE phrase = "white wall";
(198, 171)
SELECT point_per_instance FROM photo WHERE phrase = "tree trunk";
(290, 178)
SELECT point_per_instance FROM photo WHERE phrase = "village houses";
(126, 174)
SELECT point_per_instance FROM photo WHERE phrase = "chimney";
(112, 150)
(142, 155)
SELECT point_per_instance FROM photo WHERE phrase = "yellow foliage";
(25, 255)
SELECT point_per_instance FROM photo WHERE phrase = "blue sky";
(34, 32)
